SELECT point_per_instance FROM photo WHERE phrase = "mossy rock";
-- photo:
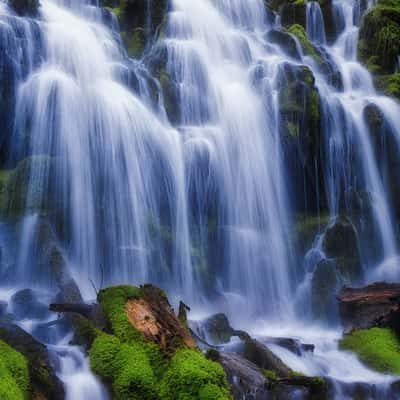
(191, 376)
(293, 12)
(26, 188)
(298, 31)
(14, 374)
(136, 368)
(307, 227)
(378, 348)
(300, 109)
(41, 372)
(139, 23)
(379, 38)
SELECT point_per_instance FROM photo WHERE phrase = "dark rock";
(216, 329)
(249, 382)
(264, 358)
(341, 243)
(25, 7)
(3, 308)
(293, 13)
(374, 305)
(141, 22)
(41, 369)
(24, 304)
(69, 290)
(340, 239)
(245, 378)
(293, 345)
(285, 41)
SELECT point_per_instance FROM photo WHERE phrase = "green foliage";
(14, 374)
(379, 348)
(390, 84)
(379, 39)
(308, 48)
(191, 376)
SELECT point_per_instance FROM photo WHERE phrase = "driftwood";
(374, 305)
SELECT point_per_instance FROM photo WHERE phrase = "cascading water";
(204, 208)
(231, 132)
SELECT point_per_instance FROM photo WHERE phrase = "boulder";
(264, 358)
(216, 329)
(285, 41)
(249, 382)
(246, 379)
(41, 368)
(376, 305)
(341, 244)
(340, 239)
(25, 305)
(293, 345)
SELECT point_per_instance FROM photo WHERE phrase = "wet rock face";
(140, 21)
(294, 13)
(25, 7)
(374, 305)
(341, 244)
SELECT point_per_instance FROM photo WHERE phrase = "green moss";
(137, 369)
(270, 374)
(379, 39)
(24, 191)
(135, 41)
(298, 31)
(113, 301)
(125, 366)
(14, 374)
(191, 376)
(378, 348)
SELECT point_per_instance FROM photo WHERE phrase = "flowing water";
(203, 206)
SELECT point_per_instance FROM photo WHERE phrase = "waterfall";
(231, 130)
(315, 23)
(187, 168)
